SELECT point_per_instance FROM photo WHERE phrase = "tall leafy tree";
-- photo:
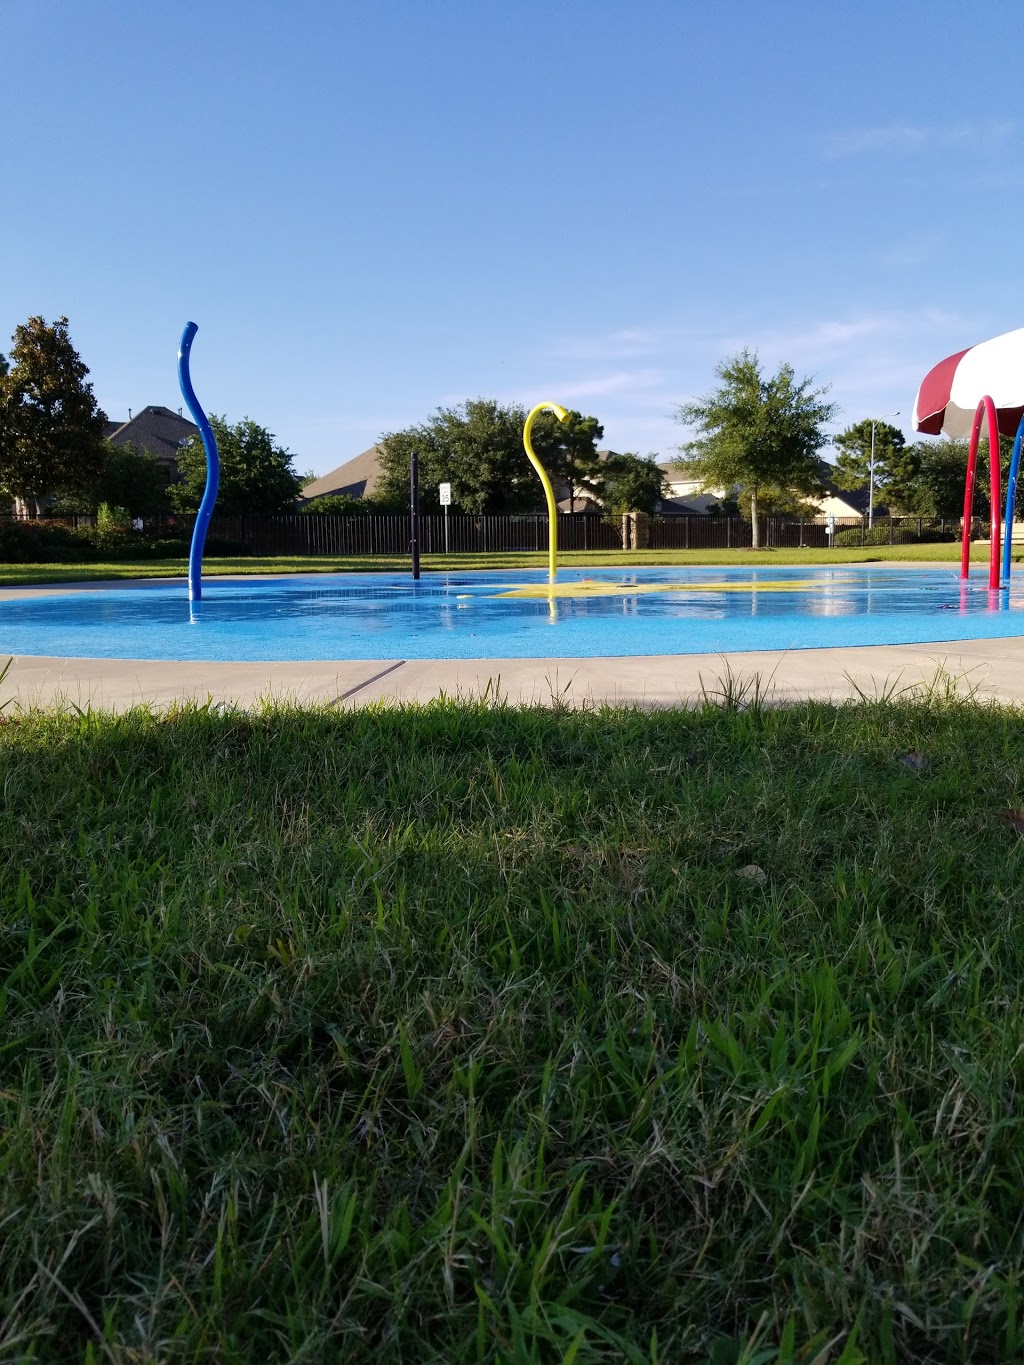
(853, 464)
(631, 483)
(902, 487)
(568, 451)
(941, 476)
(51, 427)
(477, 447)
(937, 489)
(133, 479)
(757, 435)
(256, 474)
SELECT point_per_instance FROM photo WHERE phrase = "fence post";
(890, 528)
(414, 511)
(728, 533)
(862, 521)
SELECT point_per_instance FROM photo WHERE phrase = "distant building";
(685, 495)
(846, 502)
(357, 478)
(360, 478)
(683, 489)
(158, 431)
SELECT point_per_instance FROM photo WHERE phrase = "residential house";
(158, 431)
(685, 495)
(684, 492)
(360, 478)
(357, 478)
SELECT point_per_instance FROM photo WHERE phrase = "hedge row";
(30, 542)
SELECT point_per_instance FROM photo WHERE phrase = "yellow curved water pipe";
(549, 492)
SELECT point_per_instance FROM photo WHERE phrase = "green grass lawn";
(470, 1033)
(23, 575)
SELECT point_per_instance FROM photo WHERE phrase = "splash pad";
(512, 614)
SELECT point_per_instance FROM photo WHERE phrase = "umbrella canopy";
(951, 391)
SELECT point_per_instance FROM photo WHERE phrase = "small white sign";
(445, 490)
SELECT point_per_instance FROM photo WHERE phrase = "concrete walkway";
(990, 668)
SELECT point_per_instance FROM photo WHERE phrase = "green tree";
(631, 483)
(256, 474)
(478, 448)
(473, 447)
(757, 435)
(903, 490)
(133, 479)
(568, 451)
(51, 427)
(942, 472)
(853, 464)
(336, 504)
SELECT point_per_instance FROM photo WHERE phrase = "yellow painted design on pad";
(597, 589)
(549, 492)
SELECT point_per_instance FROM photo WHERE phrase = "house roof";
(157, 430)
(855, 498)
(357, 477)
(678, 470)
(360, 477)
(679, 507)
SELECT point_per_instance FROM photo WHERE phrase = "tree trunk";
(755, 538)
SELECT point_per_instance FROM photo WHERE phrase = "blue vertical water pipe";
(195, 554)
(1011, 498)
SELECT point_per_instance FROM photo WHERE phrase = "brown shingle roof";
(157, 430)
(357, 477)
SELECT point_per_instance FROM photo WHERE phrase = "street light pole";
(871, 472)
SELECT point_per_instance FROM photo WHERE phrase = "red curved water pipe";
(988, 407)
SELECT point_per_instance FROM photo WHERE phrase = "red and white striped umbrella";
(951, 391)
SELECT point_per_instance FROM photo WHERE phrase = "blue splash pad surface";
(466, 616)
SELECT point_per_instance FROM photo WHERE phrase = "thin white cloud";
(911, 251)
(802, 343)
(900, 137)
(872, 360)
(906, 138)
(872, 364)
(621, 344)
(621, 381)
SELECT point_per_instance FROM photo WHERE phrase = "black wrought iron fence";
(321, 534)
(724, 533)
(311, 533)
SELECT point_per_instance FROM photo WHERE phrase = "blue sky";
(372, 209)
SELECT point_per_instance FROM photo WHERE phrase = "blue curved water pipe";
(1011, 498)
(195, 554)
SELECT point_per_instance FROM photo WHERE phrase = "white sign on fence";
(445, 490)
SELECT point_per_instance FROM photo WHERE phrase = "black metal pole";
(414, 511)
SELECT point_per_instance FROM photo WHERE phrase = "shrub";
(113, 520)
(903, 533)
(336, 505)
(34, 542)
